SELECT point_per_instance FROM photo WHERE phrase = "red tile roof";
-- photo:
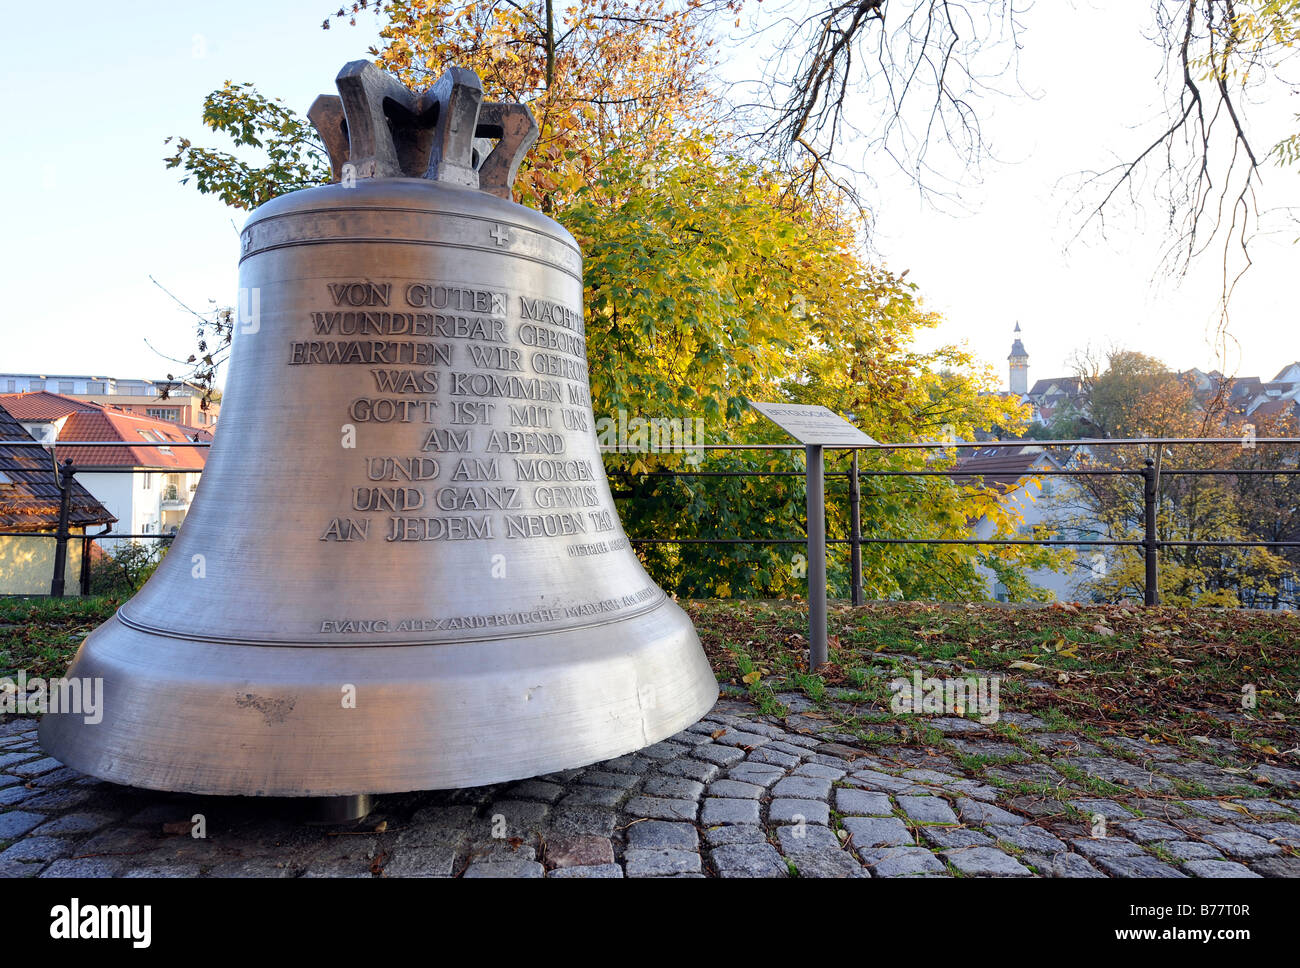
(102, 423)
(32, 502)
(93, 421)
(40, 405)
(1000, 465)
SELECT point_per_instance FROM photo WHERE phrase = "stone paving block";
(862, 803)
(901, 861)
(1283, 834)
(927, 809)
(252, 867)
(34, 768)
(1218, 868)
(986, 862)
(603, 778)
(524, 813)
(505, 868)
(664, 751)
(798, 811)
(11, 758)
(663, 835)
(1229, 810)
(1107, 808)
(1026, 837)
(802, 788)
(933, 777)
(660, 863)
(735, 789)
(820, 771)
(735, 737)
(582, 850)
(160, 871)
(975, 789)
(1234, 843)
(1146, 831)
(672, 787)
(659, 808)
(976, 811)
(561, 776)
(1035, 805)
(796, 840)
(420, 862)
(1190, 850)
(794, 749)
(775, 757)
(14, 795)
(1277, 866)
(595, 796)
(1120, 772)
(953, 724)
(687, 738)
(760, 774)
(1143, 865)
(457, 815)
(84, 867)
(692, 769)
(584, 820)
(631, 763)
(78, 823)
(727, 810)
(1060, 864)
(600, 871)
(878, 832)
(873, 780)
(537, 790)
(942, 836)
(736, 834)
(719, 755)
(1023, 773)
(15, 823)
(827, 863)
(37, 849)
(748, 860)
(1096, 847)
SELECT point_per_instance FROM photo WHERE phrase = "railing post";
(815, 487)
(855, 530)
(1150, 541)
(61, 536)
(85, 564)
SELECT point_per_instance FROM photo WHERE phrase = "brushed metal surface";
(288, 645)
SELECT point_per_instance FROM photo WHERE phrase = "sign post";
(815, 428)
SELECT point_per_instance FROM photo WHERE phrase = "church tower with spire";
(1019, 359)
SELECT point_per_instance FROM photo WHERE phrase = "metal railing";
(1151, 473)
(815, 475)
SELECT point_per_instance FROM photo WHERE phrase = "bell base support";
(334, 810)
(232, 719)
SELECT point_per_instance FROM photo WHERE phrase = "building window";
(162, 413)
(13, 386)
(146, 480)
(67, 386)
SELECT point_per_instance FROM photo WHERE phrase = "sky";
(92, 214)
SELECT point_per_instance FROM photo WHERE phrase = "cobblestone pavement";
(736, 795)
